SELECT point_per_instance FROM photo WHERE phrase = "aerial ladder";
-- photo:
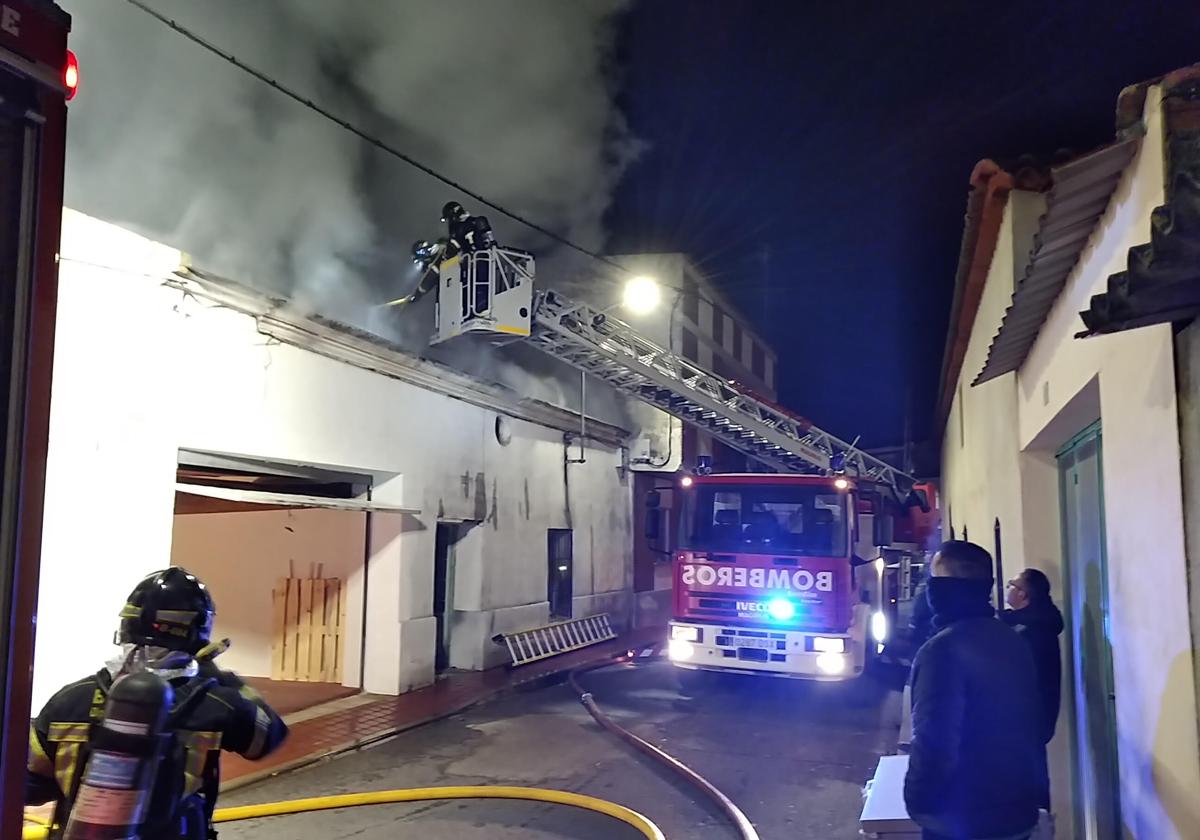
(490, 293)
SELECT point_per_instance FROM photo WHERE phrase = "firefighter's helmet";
(452, 211)
(170, 608)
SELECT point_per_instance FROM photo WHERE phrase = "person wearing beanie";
(976, 765)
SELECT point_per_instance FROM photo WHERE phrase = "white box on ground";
(884, 814)
(885, 817)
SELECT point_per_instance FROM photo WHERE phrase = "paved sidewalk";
(350, 725)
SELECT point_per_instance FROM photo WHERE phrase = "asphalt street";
(794, 756)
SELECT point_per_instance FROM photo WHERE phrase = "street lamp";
(641, 295)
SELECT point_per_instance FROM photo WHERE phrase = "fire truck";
(37, 77)
(783, 572)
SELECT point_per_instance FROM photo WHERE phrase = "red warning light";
(71, 75)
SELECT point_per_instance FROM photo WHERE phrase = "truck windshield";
(766, 519)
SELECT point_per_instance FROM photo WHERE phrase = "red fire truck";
(37, 77)
(781, 574)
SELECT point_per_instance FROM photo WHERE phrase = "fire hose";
(387, 797)
(739, 820)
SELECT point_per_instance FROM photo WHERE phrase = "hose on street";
(387, 797)
(727, 806)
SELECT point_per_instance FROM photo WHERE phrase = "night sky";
(813, 159)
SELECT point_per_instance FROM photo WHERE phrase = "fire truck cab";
(780, 574)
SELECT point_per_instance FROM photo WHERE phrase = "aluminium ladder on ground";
(525, 646)
(620, 356)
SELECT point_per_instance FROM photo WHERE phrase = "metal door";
(559, 572)
(1094, 738)
(445, 538)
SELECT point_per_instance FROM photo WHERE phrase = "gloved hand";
(209, 670)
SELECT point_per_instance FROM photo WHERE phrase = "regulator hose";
(740, 822)
(387, 797)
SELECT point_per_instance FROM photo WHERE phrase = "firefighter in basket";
(137, 745)
(466, 232)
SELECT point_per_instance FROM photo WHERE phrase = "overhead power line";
(378, 143)
(373, 140)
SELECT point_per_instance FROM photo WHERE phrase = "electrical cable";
(740, 821)
(388, 797)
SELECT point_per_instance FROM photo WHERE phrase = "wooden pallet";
(310, 617)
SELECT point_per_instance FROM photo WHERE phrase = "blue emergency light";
(781, 609)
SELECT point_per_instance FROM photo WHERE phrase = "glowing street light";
(642, 295)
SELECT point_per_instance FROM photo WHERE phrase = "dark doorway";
(560, 570)
(448, 534)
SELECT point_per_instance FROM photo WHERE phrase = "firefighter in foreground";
(165, 644)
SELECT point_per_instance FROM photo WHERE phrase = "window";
(722, 369)
(718, 328)
(691, 300)
(737, 342)
(767, 519)
(758, 362)
(691, 347)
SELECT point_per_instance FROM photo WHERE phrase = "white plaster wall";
(241, 555)
(979, 467)
(142, 371)
(1149, 624)
(1007, 464)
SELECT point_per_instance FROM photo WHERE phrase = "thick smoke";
(513, 99)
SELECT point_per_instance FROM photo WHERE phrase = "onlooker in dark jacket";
(1039, 622)
(975, 766)
(1034, 615)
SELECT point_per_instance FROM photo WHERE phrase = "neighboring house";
(200, 422)
(1065, 451)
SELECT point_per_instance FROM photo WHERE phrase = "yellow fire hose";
(386, 797)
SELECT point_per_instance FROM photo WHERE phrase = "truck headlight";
(824, 644)
(687, 634)
(879, 627)
(831, 663)
(679, 650)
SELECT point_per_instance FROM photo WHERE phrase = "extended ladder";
(617, 354)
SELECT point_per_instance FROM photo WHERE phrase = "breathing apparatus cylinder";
(124, 750)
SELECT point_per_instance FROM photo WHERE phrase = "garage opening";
(283, 550)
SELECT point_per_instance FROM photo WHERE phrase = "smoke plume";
(513, 99)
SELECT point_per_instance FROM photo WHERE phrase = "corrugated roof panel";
(1081, 193)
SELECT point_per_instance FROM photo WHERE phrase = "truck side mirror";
(653, 524)
(917, 498)
(653, 500)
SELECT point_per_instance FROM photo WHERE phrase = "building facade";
(1063, 453)
(201, 423)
